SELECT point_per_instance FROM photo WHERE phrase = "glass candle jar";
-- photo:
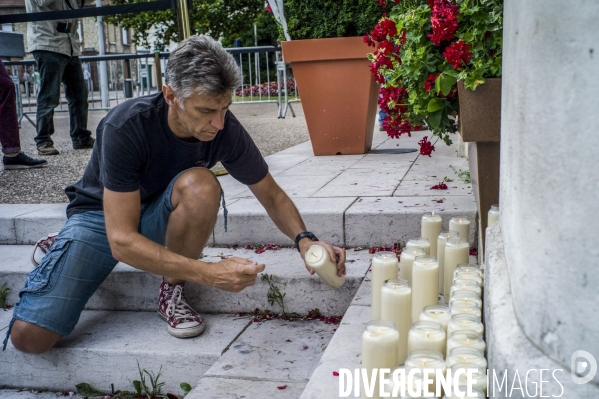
(438, 313)
(430, 227)
(441, 241)
(469, 285)
(468, 339)
(493, 215)
(432, 361)
(425, 279)
(461, 224)
(465, 322)
(406, 262)
(466, 355)
(468, 276)
(421, 242)
(467, 296)
(380, 341)
(456, 253)
(461, 306)
(427, 335)
(479, 377)
(396, 306)
(476, 394)
(384, 267)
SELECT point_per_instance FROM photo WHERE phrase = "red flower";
(444, 20)
(396, 126)
(473, 252)
(268, 9)
(368, 40)
(395, 94)
(430, 82)
(440, 186)
(426, 147)
(457, 54)
(385, 27)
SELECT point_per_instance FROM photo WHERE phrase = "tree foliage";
(218, 18)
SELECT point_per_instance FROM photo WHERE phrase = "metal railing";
(133, 75)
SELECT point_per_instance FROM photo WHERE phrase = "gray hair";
(201, 65)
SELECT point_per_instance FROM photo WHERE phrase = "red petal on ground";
(282, 387)
(336, 374)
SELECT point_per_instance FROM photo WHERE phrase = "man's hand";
(336, 254)
(233, 274)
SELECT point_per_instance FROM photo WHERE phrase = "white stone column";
(550, 172)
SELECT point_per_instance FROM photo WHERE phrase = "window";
(7, 28)
(125, 36)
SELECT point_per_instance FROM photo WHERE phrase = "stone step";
(105, 348)
(353, 221)
(130, 289)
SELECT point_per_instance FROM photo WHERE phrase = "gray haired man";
(147, 199)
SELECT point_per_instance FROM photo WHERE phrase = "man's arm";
(286, 217)
(121, 212)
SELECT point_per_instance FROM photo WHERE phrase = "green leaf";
(434, 119)
(446, 83)
(137, 386)
(185, 387)
(84, 389)
(435, 104)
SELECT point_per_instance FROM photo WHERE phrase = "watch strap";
(304, 235)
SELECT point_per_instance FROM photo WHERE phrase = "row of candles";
(408, 325)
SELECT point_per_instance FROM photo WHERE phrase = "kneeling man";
(147, 199)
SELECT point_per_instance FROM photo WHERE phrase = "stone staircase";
(357, 201)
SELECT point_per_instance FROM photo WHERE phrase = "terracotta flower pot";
(339, 94)
(480, 125)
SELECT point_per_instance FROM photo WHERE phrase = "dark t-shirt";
(136, 149)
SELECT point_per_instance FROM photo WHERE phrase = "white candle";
(425, 278)
(476, 393)
(493, 215)
(456, 252)
(421, 242)
(465, 285)
(437, 313)
(469, 296)
(427, 359)
(319, 260)
(380, 341)
(441, 241)
(430, 227)
(384, 267)
(466, 338)
(479, 378)
(466, 268)
(406, 261)
(468, 277)
(464, 354)
(427, 335)
(468, 307)
(461, 224)
(396, 306)
(465, 322)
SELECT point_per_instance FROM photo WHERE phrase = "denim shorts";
(56, 291)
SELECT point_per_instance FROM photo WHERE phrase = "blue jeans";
(55, 68)
(56, 291)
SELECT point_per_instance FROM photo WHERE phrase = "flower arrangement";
(422, 49)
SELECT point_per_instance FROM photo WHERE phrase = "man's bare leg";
(195, 199)
(30, 338)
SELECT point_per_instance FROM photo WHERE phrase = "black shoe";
(23, 161)
(86, 144)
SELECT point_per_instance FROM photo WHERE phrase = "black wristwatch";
(304, 235)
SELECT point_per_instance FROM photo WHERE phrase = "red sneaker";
(42, 246)
(183, 321)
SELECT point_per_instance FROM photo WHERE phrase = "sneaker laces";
(178, 307)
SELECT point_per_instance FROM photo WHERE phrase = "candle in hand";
(441, 241)
(384, 267)
(396, 306)
(461, 224)
(430, 227)
(406, 262)
(380, 341)
(426, 335)
(421, 242)
(456, 252)
(425, 279)
(319, 260)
